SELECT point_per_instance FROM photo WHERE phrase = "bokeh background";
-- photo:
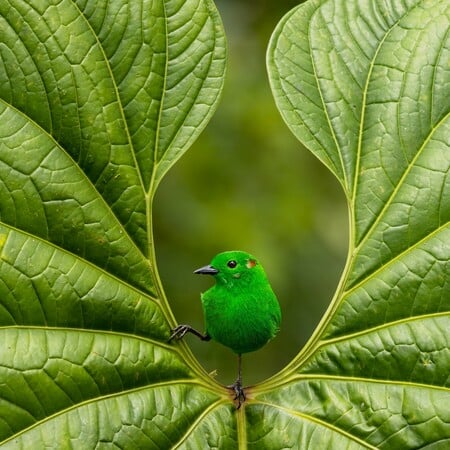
(248, 184)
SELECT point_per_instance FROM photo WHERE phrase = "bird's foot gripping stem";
(238, 390)
(179, 332)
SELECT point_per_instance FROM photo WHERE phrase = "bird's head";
(233, 265)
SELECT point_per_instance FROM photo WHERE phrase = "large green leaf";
(98, 100)
(366, 87)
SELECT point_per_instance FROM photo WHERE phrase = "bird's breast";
(243, 324)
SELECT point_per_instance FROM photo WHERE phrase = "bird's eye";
(232, 264)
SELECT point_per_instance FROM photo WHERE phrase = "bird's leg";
(237, 385)
(179, 331)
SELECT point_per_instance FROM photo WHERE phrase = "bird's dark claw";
(178, 332)
(239, 393)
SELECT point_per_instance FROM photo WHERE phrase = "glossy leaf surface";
(365, 86)
(98, 100)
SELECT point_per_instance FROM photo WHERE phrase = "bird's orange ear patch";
(251, 263)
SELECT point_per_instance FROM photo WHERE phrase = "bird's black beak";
(206, 270)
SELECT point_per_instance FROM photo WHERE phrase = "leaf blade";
(394, 171)
(77, 272)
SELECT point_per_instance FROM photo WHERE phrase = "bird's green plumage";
(241, 311)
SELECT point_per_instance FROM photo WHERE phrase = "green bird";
(241, 311)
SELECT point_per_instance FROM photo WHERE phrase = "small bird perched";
(241, 311)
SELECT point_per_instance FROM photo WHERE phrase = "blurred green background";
(248, 184)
